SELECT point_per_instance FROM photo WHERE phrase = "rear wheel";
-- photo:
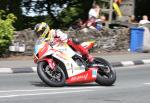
(106, 75)
(51, 77)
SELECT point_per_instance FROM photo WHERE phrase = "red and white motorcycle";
(59, 65)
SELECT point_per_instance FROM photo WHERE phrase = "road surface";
(132, 86)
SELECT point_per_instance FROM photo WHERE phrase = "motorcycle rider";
(44, 32)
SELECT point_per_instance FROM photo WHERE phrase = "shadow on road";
(42, 84)
(82, 85)
(39, 84)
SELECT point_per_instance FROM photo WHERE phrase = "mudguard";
(50, 62)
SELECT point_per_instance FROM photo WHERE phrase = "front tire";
(54, 78)
(106, 75)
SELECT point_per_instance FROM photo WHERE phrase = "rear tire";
(54, 78)
(106, 75)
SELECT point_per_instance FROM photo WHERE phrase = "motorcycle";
(60, 65)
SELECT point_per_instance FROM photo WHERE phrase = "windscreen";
(38, 45)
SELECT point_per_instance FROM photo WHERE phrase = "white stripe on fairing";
(6, 70)
(34, 69)
(127, 63)
(146, 61)
(50, 93)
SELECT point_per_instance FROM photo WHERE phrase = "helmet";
(41, 29)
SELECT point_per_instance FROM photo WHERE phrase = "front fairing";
(40, 49)
(38, 45)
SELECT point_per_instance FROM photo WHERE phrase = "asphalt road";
(132, 86)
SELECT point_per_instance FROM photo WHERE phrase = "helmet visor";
(39, 33)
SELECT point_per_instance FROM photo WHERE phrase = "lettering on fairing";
(80, 77)
(62, 49)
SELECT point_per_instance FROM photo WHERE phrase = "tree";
(58, 12)
(54, 12)
(6, 31)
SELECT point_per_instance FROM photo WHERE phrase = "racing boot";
(90, 58)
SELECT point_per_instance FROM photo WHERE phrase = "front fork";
(50, 62)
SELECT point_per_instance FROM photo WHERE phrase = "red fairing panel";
(85, 77)
(43, 50)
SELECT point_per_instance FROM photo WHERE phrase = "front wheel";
(106, 75)
(55, 78)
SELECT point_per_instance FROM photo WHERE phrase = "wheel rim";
(53, 75)
(105, 71)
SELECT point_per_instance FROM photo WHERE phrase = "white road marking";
(132, 67)
(6, 70)
(146, 61)
(147, 83)
(34, 69)
(50, 93)
(127, 63)
(67, 88)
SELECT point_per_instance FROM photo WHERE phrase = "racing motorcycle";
(60, 65)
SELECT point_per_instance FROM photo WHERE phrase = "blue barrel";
(136, 39)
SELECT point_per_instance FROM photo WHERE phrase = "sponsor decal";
(94, 73)
(80, 77)
(62, 49)
(79, 68)
(83, 77)
(62, 56)
(96, 65)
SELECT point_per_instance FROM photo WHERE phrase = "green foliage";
(6, 30)
(75, 10)
(69, 14)
(69, 11)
